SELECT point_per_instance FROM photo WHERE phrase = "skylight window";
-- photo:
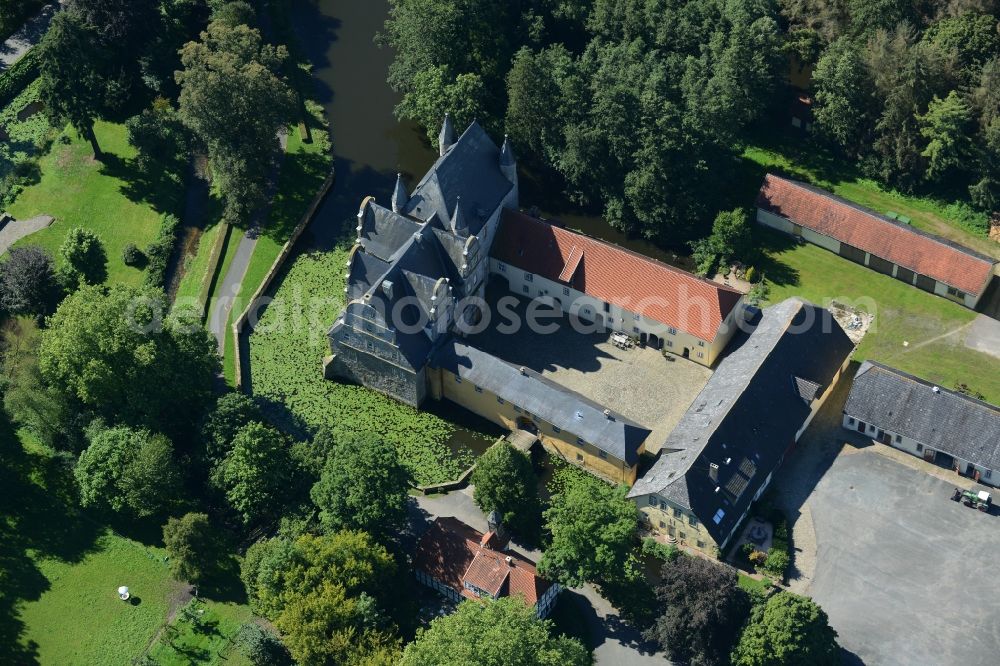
(719, 515)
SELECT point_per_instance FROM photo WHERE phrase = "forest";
(637, 108)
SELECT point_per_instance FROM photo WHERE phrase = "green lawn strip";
(286, 352)
(955, 221)
(79, 619)
(107, 197)
(202, 633)
(197, 265)
(903, 313)
(750, 583)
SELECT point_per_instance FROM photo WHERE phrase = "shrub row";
(159, 251)
(17, 78)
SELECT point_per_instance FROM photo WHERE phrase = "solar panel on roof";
(748, 468)
(737, 484)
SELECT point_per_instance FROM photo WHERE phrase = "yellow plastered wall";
(676, 523)
(506, 414)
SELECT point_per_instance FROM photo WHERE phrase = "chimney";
(936, 389)
(713, 472)
(524, 371)
(607, 414)
(399, 195)
(447, 137)
(387, 288)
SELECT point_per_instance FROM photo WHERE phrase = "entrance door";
(687, 353)
(861, 426)
(654, 341)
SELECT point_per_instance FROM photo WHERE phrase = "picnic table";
(621, 340)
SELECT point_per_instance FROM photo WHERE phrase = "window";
(635, 329)
(672, 331)
(987, 474)
(479, 389)
(603, 454)
(670, 343)
(662, 524)
(850, 420)
(579, 441)
(525, 288)
(556, 429)
(635, 316)
(955, 292)
(528, 277)
(899, 438)
(692, 521)
(663, 506)
(701, 343)
(701, 354)
(458, 380)
(607, 307)
(579, 457)
(565, 291)
(871, 428)
(652, 501)
(502, 267)
(500, 400)
(701, 544)
(920, 447)
(682, 535)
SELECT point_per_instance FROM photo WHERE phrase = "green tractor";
(975, 500)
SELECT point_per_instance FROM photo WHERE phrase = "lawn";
(286, 352)
(202, 633)
(751, 584)
(902, 312)
(808, 162)
(109, 197)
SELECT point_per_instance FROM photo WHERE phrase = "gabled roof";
(547, 400)
(470, 169)
(824, 213)
(941, 419)
(747, 415)
(453, 553)
(632, 281)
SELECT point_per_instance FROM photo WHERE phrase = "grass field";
(108, 197)
(902, 312)
(805, 161)
(202, 633)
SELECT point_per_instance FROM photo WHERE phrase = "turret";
(399, 195)
(447, 137)
(508, 164)
(458, 224)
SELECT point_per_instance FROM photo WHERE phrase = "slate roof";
(452, 552)
(618, 276)
(545, 399)
(824, 213)
(746, 417)
(470, 170)
(944, 420)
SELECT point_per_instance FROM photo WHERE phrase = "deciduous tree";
(505, 482)
(257, 473)
(84, 256)
(788, 630)
(193, 545)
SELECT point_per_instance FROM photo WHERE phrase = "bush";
(776, 563)
(663, 551)
(17, 78)
(131, 255)
(159, 251)
(757, 557)
(261, 647)
(84, 256)
(758, 293)
(751, 275)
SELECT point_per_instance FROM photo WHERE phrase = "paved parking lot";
(906, 575)
(639, 383)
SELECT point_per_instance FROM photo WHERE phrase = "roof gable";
(824, 213)
(629, 280)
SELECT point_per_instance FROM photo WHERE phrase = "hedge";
(17, 78)
(159, 251)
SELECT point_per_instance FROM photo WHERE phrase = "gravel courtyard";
(639, 383)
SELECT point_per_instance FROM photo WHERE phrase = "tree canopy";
(113, 351)
(787, 630)
(258, 472)
(504, 632)
(505, 482)
(193, 545)
(363, 486)
(28, 282)
(592, 527)
(703, 610)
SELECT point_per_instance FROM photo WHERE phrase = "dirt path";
(18, 229)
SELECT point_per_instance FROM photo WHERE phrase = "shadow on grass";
(300, 180)
(38, 518)
(160, 186)
(770, 245)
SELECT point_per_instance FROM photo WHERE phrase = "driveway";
(906, 575)
(984, 335)
(614, 642)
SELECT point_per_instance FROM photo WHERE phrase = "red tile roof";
(615, 275)
(831, 216)
(451, 552)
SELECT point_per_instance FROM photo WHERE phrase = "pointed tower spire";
(507, 152)
(508, 167)
(458, 224)
(399, 196)
(447, 136)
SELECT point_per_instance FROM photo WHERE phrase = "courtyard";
(640, 383)
(880, 546)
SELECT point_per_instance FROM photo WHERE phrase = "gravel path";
(18, 229)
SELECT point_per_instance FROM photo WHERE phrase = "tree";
(703, 610)
(363, 486)
(128, 470)
(28, 283)
(505, 482)
(71, 81)
(261, 646)
(592, 527)
(947, 127)
(112, 351)
(730, 239)
(844, 104)
(232, 412)
(257, 473)
(193, 545)
(435, 93)
(159, 136)
(85, 258)
(788, 630)
(232, 68)
(504, 632)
